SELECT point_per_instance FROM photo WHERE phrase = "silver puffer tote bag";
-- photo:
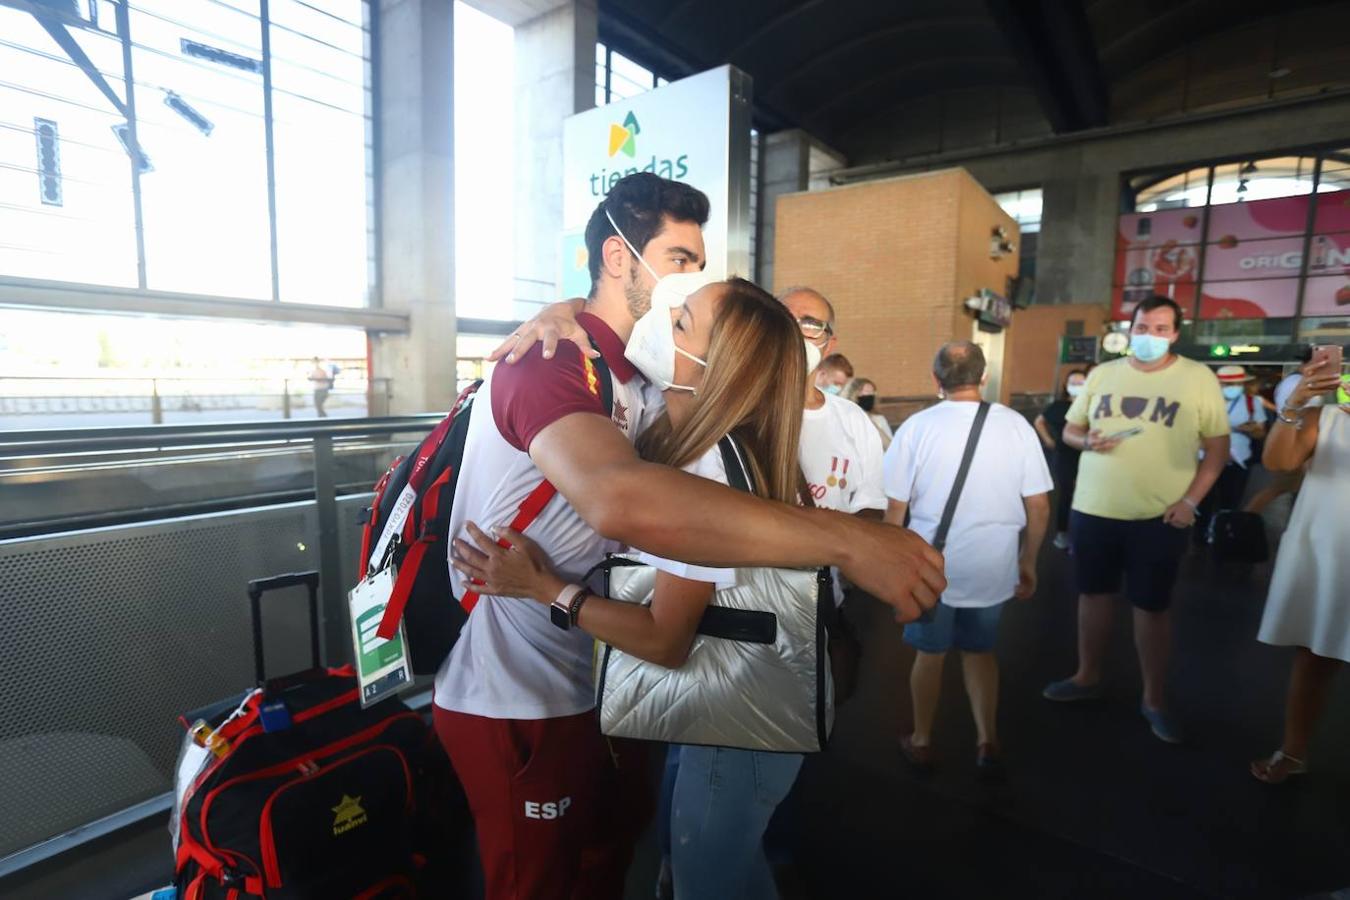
(758, 673)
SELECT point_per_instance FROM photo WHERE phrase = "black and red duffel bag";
(292, 790)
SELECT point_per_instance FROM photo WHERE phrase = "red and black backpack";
(412, 503)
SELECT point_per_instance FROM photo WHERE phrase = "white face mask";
(651, 347)
(812, 357)
(1074, 389)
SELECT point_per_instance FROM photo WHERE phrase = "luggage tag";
(382, 667)
(274, 716)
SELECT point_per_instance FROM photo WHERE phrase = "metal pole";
(333, 620)
(265, 19)
(136, 154)
(286, 398)
(156, 404)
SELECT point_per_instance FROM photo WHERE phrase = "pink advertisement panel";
(1235, 259)
(1327, 295)
(1255, 299)
(1155, 229)
(1258, 219)
(1333, 212)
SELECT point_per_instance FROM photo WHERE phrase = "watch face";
(560, 617)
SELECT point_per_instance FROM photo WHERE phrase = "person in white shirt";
(1007, 493)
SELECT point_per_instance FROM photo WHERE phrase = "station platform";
(1093, 807)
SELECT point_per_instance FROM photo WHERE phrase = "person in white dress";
(1309, 603)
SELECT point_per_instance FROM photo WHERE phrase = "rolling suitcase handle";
(260, 586)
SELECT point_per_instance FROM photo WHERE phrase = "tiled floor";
(1094, 806)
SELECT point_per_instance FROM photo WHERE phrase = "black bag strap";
(945, 525)
(733, 460)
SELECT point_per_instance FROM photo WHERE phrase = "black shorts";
(1146, 553)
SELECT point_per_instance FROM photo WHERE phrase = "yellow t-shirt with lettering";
(1177, 407)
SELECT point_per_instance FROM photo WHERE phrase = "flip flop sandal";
(1278, 769)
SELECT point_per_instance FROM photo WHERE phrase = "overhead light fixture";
(1248, 168)
(123, 132)
(1241, 189)
(1280, 72)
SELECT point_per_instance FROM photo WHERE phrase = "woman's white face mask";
(651, 347)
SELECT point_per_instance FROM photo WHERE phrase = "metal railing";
(122, 573)
(155, 397)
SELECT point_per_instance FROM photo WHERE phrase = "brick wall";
(1034, 343)
(896, 257)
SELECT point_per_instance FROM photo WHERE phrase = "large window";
(617, 77)
(1260, 241)
(197, 180)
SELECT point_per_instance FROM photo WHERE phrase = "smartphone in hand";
(1327, 359)
(1121, 435)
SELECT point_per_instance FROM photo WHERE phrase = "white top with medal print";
(841, 459)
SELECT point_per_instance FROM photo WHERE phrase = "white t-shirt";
(1009, 464)
(709, 466)
(841, 459)
(511, 661)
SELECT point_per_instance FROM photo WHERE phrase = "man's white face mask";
(651, 348)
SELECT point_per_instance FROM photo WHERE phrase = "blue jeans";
(722, 805)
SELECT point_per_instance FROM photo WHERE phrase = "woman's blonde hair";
(855, 386)
(753, 388)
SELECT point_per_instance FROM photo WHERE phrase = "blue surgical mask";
(1232, 392)
(832, 389)
(1149, 347)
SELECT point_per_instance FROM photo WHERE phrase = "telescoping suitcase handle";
(260, 586)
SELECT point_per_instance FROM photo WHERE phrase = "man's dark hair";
(639, 204)
(959, 364)
(1158, 302)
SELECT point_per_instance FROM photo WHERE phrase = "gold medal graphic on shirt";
(843, 482)
(834, 465)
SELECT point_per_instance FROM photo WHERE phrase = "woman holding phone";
(1309, 603)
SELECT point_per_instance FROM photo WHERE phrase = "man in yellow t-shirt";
(1141, 423)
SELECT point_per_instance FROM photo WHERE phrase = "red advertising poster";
(1333, 213)
(1156, 253)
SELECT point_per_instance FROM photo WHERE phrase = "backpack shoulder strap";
(599, 381)
(949, 512)
(605, 382)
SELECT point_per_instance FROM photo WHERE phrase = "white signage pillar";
(696, 130)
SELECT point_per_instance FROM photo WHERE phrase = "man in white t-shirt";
(557, 808)
(840, 449)
(1007, 492)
